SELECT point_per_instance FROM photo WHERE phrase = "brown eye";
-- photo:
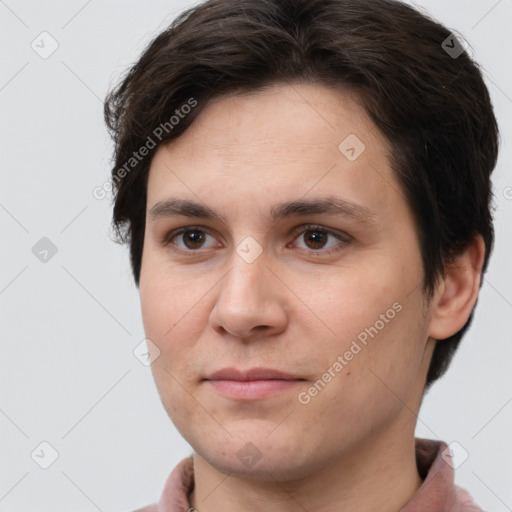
(193, 239)
(320, 240)
(189, 239)
(316, 238)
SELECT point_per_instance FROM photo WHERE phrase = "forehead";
(287, 141)
(297, 116)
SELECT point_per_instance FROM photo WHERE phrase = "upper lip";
(251, 374)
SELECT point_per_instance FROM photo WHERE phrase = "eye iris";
(316, 237)
(196, 237)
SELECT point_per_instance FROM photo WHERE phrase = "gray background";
(69, 326)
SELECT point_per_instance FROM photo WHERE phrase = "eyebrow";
(301, 207)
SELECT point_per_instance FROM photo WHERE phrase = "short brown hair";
(431, 104)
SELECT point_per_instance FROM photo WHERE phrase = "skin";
(296, 307)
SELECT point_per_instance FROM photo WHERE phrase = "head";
(244, 106)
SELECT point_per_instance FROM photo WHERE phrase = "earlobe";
(457, 291)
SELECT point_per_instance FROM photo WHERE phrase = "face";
(277, 277)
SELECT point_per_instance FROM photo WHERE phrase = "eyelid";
(311, 227)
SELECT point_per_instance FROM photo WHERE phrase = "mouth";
(253, 384)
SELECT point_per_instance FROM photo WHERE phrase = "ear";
(457, 291)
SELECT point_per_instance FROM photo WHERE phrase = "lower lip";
(252, 389)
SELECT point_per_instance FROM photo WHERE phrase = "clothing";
(438, 493)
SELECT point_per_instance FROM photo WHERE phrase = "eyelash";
(345, 239)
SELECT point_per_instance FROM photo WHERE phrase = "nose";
(251, 301)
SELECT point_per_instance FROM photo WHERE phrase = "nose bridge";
(246, 279)
(247, 298)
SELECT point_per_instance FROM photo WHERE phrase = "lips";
(253, 384)
(251, 374)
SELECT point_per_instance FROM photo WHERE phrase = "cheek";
(372, 379)
(166, 302)
(156, 311)
(175, 316)
(372, 324)
(394, 353)
(349, 302)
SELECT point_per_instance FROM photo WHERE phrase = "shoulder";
(464, 501)
(148, 508)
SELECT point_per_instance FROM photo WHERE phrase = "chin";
(260, 457)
